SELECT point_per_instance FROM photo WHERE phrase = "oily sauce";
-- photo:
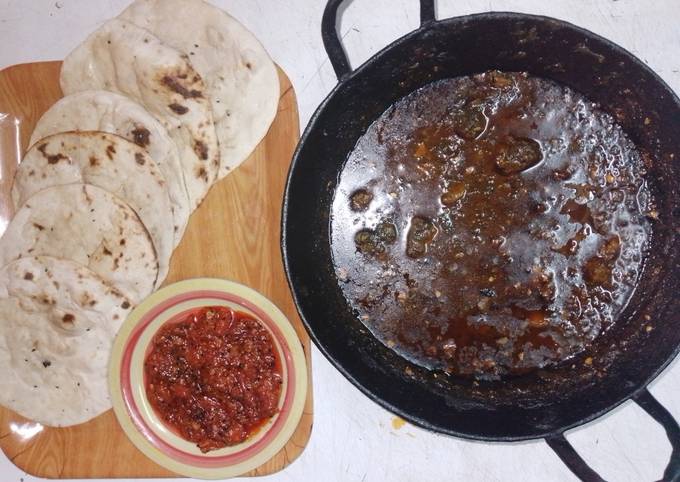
(214, 377)
(490, 225)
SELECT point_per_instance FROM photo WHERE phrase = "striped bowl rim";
(144, 428)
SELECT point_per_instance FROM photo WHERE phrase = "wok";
(544, 403)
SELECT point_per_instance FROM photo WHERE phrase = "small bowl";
(138, 418)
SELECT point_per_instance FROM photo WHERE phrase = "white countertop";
(353, 439)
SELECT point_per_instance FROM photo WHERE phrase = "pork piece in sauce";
(491, 225)
(514, 155)
(360, 200)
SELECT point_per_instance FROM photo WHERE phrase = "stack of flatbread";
(160, 104)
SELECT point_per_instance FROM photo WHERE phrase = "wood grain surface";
(233, 235)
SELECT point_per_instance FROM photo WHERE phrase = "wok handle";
(333, 42)
(565, 451)
(664, 418)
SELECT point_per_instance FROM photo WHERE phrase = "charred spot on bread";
(51, 158)
(178, 108)
(173, 83)
(201, 150)
(110, 151)
(141, 136)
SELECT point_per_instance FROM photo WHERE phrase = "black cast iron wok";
(545, 403)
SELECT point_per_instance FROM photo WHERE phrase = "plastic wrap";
(10, 156)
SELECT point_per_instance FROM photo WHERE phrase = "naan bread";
(90, 226)
(107, 161)
(57, 324)
(127, 59)
(241, 80)
(99, 110)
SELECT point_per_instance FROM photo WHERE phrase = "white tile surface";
(353, 439)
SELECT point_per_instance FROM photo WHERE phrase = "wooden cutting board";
(233, 235)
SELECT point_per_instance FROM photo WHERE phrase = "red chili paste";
(214, 377)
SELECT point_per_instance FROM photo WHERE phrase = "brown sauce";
(490, 225)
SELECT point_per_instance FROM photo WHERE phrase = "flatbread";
(107, 161)
(90, 226)
(99, 110)
(241, 80)
(127, 59)
(57, 324)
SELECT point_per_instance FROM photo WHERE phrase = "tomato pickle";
(214, 377)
